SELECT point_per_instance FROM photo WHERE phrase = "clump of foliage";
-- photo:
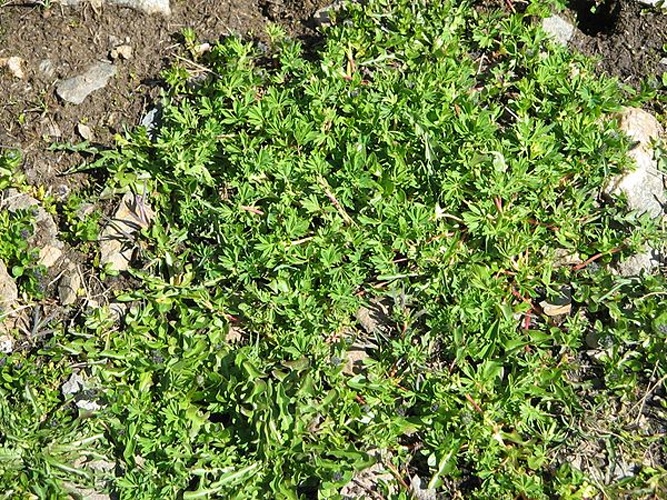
(432, 157)
(83, 220)
(9, 162)
(15, 250)
(16, 227)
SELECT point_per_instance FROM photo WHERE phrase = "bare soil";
(626, 38)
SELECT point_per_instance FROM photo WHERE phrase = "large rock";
(646, 261)
(560, 30)
(9, 294)
(14, 200)
(644, 186)
(76, 89)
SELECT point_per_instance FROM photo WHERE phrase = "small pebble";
(122, 51)
(46, 68)
(84, 131)
(6, 344)
(76, 89)
(13, 64)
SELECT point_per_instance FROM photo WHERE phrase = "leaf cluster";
(433, 157)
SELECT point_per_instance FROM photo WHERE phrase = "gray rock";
(620, 469)
(14, 200)
(323, 16)
(76, 89)
(421, 491)
(147, 6)
(69, 285)
(560, 30)
(87, 405)
(644, 186)
(95, 4)
(10, 315)
(73, 385)
(646, 261)
(47, 68)
(6, 344)
(151, 121)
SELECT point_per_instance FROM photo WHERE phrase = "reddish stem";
(474, 404)
(595, 257)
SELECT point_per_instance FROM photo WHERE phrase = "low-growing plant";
(434, 158)
(10, 160)
(82, 218)
(15, 251)
(16, 227)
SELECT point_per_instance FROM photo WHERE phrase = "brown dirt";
(626, 37)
